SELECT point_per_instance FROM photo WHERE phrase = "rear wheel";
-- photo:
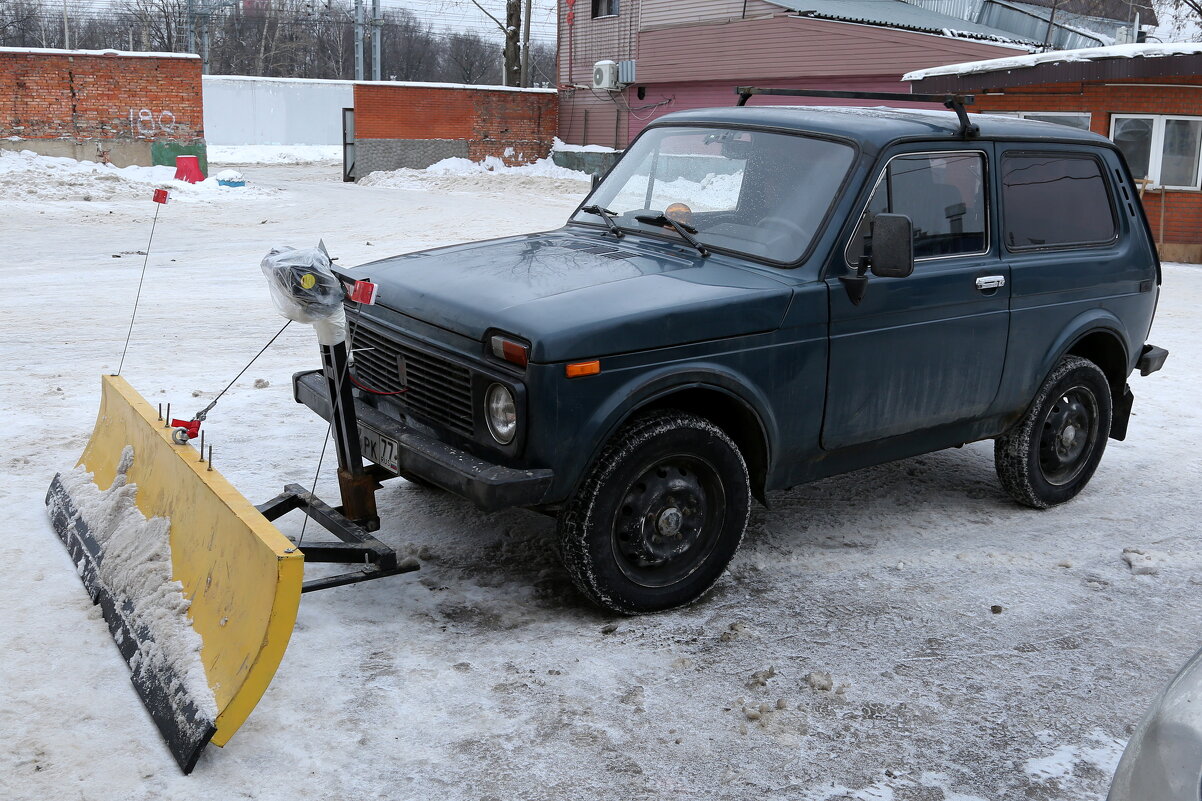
(659, 515)
(1051, 454)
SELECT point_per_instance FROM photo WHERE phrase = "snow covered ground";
(850, 653)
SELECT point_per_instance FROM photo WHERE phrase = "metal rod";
(745, 93)
(210, 467)
(202, 446)
(160, 405)
(167, 419)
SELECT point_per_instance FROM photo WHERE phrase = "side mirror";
(892, 246)
(596, 180)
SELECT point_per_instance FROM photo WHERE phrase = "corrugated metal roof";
(898, 14)
(1121, 10)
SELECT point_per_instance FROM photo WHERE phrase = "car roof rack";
(954, 102)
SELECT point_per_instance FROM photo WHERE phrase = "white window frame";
(1156, 156)
(1028, 114)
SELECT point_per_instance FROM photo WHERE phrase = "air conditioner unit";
(605, 75)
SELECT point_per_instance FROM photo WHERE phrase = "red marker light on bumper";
(510, 351)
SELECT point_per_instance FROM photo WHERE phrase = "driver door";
(926, 350)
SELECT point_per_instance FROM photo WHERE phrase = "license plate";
(378, 448)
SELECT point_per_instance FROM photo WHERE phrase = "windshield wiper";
(685, 230)
(606, 215)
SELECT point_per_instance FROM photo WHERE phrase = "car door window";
(943, 194)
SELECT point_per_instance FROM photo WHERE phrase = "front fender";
(627, 391)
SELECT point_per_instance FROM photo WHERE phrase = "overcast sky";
(458, 15)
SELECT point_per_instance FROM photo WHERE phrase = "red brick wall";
(65, 95)
(491, 120)
(1182, 210)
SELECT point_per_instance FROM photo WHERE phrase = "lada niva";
(757, 297)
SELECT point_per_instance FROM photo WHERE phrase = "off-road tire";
(1027, 456)
(682, 463)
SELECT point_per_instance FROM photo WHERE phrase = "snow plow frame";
(242, 576)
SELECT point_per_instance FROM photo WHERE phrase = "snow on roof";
(50, 51)
(898, 14)
(1142, 50)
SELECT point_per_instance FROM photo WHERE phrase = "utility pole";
(526, 45)
(191, 26)
(204, 43)
(358, 40)
(377, 29)
(66, 30)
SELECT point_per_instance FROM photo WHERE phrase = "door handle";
(991, 282)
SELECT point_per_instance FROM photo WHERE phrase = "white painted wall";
(243, 110)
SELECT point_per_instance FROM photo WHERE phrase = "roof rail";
(954, 102)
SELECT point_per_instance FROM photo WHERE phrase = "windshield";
(758, 193)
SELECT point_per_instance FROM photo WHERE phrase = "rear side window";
(1054, 200)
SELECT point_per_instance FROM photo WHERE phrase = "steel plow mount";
(237, 578)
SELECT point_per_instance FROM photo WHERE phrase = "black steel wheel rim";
(1069, 435)
(668, 520)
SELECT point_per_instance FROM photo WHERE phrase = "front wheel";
(659, 515)
(1050, 455)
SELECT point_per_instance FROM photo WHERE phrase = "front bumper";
(489, 486)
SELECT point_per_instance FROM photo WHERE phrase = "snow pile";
(136, 572)
(564, 147)
(1083, 54)
(27, 176)
(714, 192)
(274, 154)
(490, 175)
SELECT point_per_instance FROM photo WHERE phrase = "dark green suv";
(754, 298)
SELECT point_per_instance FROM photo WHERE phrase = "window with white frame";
(1073, 119)
(1165, 150)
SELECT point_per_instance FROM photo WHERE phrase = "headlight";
(501, 413)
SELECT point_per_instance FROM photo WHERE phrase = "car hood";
(579, 296)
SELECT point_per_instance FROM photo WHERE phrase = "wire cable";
(138, 296)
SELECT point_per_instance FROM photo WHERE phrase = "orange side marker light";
(579, 369)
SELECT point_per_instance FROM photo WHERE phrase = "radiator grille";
(438, 390)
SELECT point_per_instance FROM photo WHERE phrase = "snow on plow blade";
(239, 579)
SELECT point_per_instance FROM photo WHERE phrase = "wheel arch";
(1105, 348)
(1099, 336)
(731, 414)
(728, 401)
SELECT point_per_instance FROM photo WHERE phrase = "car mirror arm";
(856, 285)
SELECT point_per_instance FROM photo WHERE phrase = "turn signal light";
(579, 369)
(510, 351)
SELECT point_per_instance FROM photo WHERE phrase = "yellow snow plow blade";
(240, 574)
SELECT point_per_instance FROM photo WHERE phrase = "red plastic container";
(187, 168)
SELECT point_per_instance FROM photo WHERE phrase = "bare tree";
(1180, 20)
(511, 30)
(470, 59)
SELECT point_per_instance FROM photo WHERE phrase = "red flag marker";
(160, 196)
(365, 293)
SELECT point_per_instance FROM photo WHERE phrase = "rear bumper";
(1151, 359)
(489, 486)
